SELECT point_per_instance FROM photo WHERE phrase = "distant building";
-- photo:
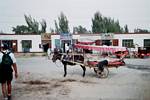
(22, 43)
(38, 43)
(46, 41)
(130, 40)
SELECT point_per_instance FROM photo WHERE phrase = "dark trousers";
(101, 64)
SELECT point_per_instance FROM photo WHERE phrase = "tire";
(103, 74)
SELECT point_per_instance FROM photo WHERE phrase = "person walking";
(7, 66)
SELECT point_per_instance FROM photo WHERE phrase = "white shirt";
(11, 55)
(48, 51)
(67, 48)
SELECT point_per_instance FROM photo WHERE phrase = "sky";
(134, 13)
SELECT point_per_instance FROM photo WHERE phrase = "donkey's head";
(57, 56)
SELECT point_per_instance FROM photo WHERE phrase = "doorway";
(106, 42)
(64, 43)
(12, 44)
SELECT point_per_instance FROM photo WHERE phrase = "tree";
(80, 29)
(51, 30)
(97, 23)
(102, 24)
(20, 29)
(62, 26)
(56, 27)
(33, 25)
(138, 30)
(1, 32)
(43, 26)
(63, 23)
(126, 29)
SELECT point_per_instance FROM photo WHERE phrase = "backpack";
(6, 62)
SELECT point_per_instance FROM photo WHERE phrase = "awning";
(101, 48)
(86, 43)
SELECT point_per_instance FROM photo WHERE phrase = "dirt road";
(40, 79)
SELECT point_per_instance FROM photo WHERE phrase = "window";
(127, 43)
(98, 42)
(26, 45)
(115, 42)
(146, 42)
(57, 43)
(106, 42)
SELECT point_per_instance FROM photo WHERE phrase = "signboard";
(65, 36)
(107, 36)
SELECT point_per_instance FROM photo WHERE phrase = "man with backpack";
(7, 66)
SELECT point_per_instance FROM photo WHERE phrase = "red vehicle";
(118, 51)
(143, 53)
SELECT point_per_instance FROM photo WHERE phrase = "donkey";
(62, 58)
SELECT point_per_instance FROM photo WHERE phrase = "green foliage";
(138, 30)
(56, 27)
(43, 25)
(32, 26)
(20, 29)
(97, 23)
(63, 23)
(104, 24)
(80, 29)
(62, 26)
(126, 29)
(51, 30)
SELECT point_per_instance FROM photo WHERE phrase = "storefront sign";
(65, 36)
(107, 35)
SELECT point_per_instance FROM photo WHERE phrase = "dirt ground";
(40, 79)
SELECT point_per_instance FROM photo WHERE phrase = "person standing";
(7, 65)
(49, 53)
(67, 48)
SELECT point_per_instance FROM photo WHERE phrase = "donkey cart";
(105, 72)
(94, 64)
(78, 59)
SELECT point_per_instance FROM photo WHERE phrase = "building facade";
(22, 43)
(133, 41)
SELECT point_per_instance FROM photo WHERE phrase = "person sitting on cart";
(107, 61)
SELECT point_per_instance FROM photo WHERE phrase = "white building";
(22, 43)
(130, 40)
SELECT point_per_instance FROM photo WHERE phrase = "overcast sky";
(134, 13)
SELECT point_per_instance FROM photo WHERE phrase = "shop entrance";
(65, 43)
(106, 42)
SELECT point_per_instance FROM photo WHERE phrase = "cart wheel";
(103, 74)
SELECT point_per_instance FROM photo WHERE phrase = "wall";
(53, 37)
(36, 40)
(89, 37)
(137, 38)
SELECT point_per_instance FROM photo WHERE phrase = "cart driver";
(108, 61)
